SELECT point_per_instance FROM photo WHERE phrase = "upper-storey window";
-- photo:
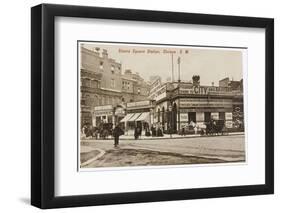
(101, 65)
(112, 83)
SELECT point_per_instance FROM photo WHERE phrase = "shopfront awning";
(127, 117)
(143, 117)
(134, 117)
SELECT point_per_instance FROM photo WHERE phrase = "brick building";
(102, 83)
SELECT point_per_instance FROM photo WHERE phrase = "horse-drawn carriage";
(105, 130)
(102, 131)
(215, 127)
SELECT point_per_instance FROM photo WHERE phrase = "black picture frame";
(43, 105)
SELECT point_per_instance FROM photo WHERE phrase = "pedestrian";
(170, 131)
(153, 130)
(183, 131)
(136, 133)
(117, 131)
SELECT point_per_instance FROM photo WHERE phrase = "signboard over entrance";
(138, 104)
(203, 90)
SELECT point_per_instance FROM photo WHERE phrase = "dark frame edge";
(42, 121)
(36, 155)
(42, 107)
(269, 105)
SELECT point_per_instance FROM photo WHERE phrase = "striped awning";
(127, 117)
(134, 117)
(143, 117)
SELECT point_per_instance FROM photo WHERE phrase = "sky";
(212, 64)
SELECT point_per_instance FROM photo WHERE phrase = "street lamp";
(170, 129)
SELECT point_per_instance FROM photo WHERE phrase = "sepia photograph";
(160, 105)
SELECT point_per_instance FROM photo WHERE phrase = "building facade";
(108, 95)
(104, 86)
(182, 103)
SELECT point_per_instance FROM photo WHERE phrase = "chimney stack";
(104, 53)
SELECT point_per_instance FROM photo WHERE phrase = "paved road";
(228, 148)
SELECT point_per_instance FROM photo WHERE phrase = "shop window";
(222, 115)
(192, 117)
(207, 116)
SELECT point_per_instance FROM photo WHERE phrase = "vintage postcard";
(159, 105)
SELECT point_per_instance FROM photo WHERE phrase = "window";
(87, 82)
(112, 83)
(207, 116)
(94, 84)
(101, 65)
(112, 69)
(221, 115)
(192, 117)
(139, 90)
(95, 100)
(83, 82)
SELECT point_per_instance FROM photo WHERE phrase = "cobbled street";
(212, 149)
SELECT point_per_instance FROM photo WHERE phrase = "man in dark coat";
(117, 131)
(136, 132)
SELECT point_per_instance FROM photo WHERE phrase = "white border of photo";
(68, 181)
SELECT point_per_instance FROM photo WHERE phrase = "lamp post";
(170, 118)
(179, 82)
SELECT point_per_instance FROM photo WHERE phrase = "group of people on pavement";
(157, 130)
(103, 131)
(154, 131)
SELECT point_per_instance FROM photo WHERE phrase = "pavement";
(165, 136)
(228, 148)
